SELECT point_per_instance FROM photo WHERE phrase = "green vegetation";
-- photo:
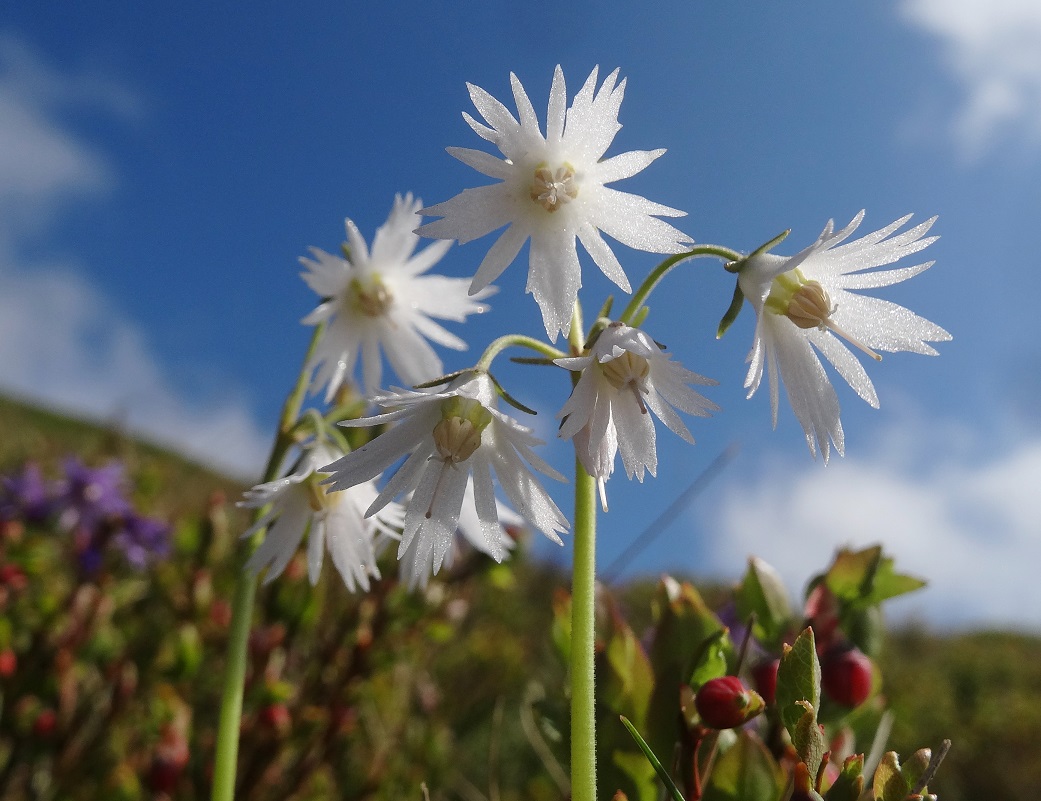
(113, 679)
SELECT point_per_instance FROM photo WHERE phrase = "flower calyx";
(458, 434)
(808, 305)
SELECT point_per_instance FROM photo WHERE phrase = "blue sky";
(163, 166)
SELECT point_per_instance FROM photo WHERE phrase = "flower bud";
(725, 702)
(846, 676)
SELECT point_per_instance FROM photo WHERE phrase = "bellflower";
(625, 375)
(805, 305)
(381, 299)
(552, 189)
(446, 437)
(333, 521)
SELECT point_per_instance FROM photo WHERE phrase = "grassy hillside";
(170, 482)
(116, 673)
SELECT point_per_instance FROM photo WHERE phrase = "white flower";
(381, 299)
(552, 189)
(299, 505)
(448, 436)
(804, 302)
(625, 375)
(416, 565)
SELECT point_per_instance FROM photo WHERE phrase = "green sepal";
(798, 679)
(516, 404)
(663, 774)
(436, 382)
(732, 311)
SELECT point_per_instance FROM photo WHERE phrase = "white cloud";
(967, 525)
(61, 341)
(993, 48)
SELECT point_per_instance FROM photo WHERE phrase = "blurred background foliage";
(110, 677)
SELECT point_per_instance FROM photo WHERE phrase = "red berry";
(846, 676)
(725, 702)
(765, 676)
(45, 723)
(276, 716)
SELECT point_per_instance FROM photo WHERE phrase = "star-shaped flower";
(625, 375)
(332, 520)
(804, 304)
(552, 189)
(381, 299)
(447, 437)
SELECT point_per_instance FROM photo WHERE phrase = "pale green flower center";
(320, 497)
(808, 305)
(457, 435)
(551, 188)
(369, 297)
(628, 371)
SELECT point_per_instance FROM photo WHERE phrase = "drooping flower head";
(805, 305)
(552, 189)
(300, 505)
(380, 299)
(447, 437)
(417, 566)
(625, 376)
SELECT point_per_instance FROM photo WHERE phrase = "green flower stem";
(654, 277)
(227, 752)
(583, 619)
(499, 345)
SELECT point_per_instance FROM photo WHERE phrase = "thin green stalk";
(654, 277)
(583, 619)
(500, 344)
(227, 750)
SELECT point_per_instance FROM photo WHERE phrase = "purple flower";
(142, 539)
(92, 496)
(25, 497)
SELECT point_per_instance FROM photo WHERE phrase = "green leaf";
(808, 739)
(763, 594)
(683, 623)
(743, 772)
(711, 662)
(663, 774)
(798, 679)
(889, 783)
(625, 685)
(849, 784)
(915, 766)
(635, 765)
(867, 577)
